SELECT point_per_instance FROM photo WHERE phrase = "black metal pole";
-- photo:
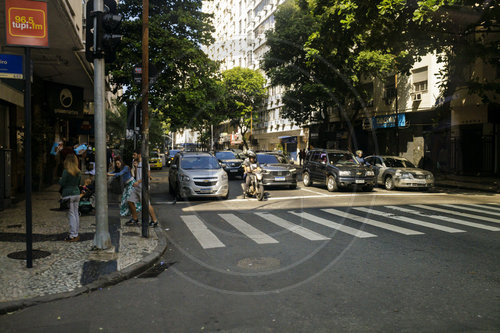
(27, 156)
(145, 118)
(397, 115)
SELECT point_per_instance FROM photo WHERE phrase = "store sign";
(27, 23)
(388, 121)
(64, 99)
(11, 66)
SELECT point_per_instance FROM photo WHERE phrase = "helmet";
(250, 154)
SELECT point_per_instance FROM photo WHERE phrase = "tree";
(185, 84)
(244, 89)
(321, 50)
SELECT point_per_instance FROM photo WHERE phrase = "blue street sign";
(11, 66)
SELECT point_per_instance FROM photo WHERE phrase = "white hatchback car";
(197, 174)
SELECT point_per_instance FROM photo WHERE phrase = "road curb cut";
(104, 281)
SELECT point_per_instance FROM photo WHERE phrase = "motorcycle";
(256, 187)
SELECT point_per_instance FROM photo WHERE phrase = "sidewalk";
(479, 183)
(70, 268)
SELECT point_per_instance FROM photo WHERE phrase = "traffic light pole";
(145, 118)
(102, 239)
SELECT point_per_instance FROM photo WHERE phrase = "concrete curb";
(475, 187)
(104, 281)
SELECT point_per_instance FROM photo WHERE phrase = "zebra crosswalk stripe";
(253, 233)
(487, 207)
(297, 229)
(205, 237)
(446, 211)
(340, 227)
(472, 209)
(445, 218)
(365, 220)
(409, 220)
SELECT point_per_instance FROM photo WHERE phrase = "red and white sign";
(27, 23)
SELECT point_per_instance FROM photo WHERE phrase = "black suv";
(337, 169)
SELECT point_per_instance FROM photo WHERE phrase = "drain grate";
(21, 255)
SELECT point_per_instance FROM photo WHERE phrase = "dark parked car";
(337, 169)
(170, 156)
(397, 172)
(231, 161)
(277, 170)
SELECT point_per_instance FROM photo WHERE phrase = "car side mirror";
(173, 166)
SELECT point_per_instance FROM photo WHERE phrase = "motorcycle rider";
(250, 165)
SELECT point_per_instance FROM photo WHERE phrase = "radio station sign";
(26, 23)
(11, 66)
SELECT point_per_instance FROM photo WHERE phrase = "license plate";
(233, 170)
(279, 179)
(360, 181)
(205, 190)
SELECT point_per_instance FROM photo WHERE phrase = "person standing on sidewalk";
(70, 182)
(137, 194)
(127, 205)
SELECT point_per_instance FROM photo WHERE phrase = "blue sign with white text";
(389, 121)
(11, 66)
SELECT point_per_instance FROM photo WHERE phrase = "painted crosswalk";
(316, 224)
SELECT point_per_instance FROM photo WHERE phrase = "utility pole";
(102, 239)
(145, 118)
(397, 120)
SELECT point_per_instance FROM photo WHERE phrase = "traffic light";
(102, 31)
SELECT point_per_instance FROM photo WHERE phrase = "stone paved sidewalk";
(70, 266)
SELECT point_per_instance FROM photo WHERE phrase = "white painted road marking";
(204, 236)
(364, 220)
(446, 211)
(487, 207)
(409, 220)
(297, 229)
(333, 225)
(472, 209)
(254, 234)
(445, 218)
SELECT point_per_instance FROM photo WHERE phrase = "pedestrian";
(302, 155)
(70, 182)
(127, 206)
(137, 194)
(359, 157)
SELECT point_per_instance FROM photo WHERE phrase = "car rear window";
(398, 163)
(270, 159)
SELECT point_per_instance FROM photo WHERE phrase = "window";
(420, 86)
(316, 156)
(419, 78)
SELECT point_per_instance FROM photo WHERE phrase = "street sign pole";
(27, 157)
(145, 118)
(102, 239)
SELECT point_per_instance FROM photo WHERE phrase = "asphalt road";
(304, 260)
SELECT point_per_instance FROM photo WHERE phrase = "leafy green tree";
(185, 83)
(244, 92)
(321, 50)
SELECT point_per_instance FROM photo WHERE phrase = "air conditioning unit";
(417, 97)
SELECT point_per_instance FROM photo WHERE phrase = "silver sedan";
(397, 172)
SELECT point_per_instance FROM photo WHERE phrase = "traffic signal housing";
(102, 32)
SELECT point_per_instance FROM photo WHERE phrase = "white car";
(197, 174)
(397, 172)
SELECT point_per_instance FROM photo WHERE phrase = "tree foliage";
(321, 50)
(244, 92)
(185, 88)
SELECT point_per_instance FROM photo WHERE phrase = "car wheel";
(306, 179)
(389, 183)
(331, 184)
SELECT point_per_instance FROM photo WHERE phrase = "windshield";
(270, 159)
(398, 163)
(225, 155)
(199, 162)
(341, 159)
(153, 154)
